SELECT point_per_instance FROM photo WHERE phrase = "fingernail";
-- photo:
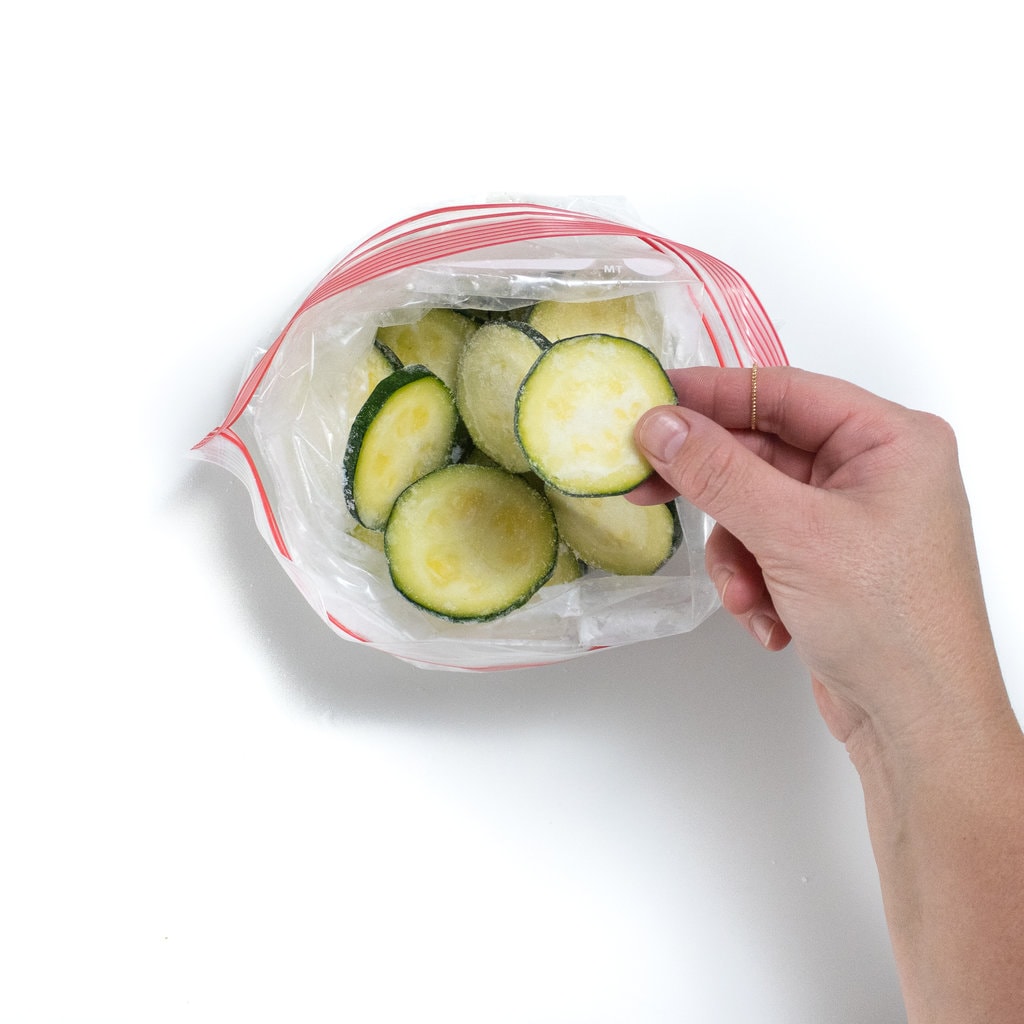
(662, 433)
(762, 626)
(722, 577)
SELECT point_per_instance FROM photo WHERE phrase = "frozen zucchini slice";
(350, 390)
(615, 535)
(568, 567)
(434, 341)
(478, 457)
(372, 538)
(376, 364)
(619, 317)
(491, 369)
(470, 542)
(576, 410)
(520, 314)
(406, 428)
(381, 357)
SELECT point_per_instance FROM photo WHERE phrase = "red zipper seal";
(737, 323)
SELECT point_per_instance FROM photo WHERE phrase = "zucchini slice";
(568, 567)
(380, 355)
(372, 538)
(619, 317)
(434, 341)
(491, 369)
(520, 314)
(615, 535)
(470, 543)
(377, 364)
(351, 390)
(406, 428)
(478, 457)
(576, 410)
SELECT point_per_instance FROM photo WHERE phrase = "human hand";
(842, 523)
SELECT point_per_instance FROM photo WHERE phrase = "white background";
(212, 809)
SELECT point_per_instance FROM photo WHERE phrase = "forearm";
(946, 818)
(842, 523)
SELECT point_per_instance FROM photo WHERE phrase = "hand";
(842, 524)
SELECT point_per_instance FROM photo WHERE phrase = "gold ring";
(753, 397)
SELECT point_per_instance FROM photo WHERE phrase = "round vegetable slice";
(615, 535)
(620, 316)
(576, 410)
(434, 341)
(492, 366)
(405, 429)
(568, 567)
(470, 542)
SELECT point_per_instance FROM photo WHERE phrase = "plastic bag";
(285, 434)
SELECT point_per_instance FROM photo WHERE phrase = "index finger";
(803, 409)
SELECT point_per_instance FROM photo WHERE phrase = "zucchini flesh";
(381, 356)
(568, 567)
(434, 341)
(377, 364)
(491, 369)
(405, 429)
(615, 535)
(372, 538)
(576, 410)
(470, 542)
(619, 317)
(352, 391)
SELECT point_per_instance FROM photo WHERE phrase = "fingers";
(715, 471)
(653, 491)
(803, 409)
(794, 462)
(741, 587)
(765, 488)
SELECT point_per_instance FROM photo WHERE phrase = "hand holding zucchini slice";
(577, 408)
(404, 430)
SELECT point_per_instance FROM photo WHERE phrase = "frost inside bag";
(285, 434)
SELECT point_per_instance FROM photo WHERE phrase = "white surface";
(213, 809)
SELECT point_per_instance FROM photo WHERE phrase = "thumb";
(715, 471)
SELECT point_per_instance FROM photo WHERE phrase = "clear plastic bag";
(286, 431)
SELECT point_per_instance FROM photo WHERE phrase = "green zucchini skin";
(613, 534)
(519, 314)
(577, 408)
(375, 364)
(408, 427)
(491, 369)
(470, 543)
(382, 351)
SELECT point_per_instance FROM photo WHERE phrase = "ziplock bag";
(285, 434)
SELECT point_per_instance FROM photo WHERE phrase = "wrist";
(944, 803)
(961, 719)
